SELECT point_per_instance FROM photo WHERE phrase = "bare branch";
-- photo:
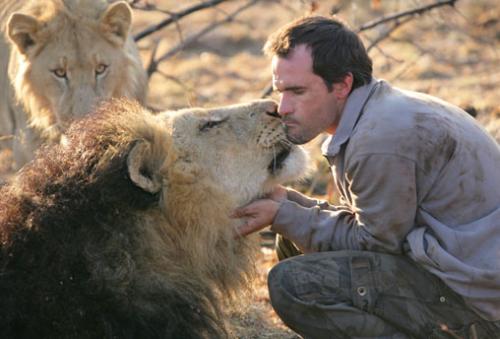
(147, 7)
(412, 12)
(152, 64)
(407, 67)
(137, 4)
(388, 56)
(267, 91)
(388, 32)
(179, 32)
(175, 80)
(189, 40)
(176, 16)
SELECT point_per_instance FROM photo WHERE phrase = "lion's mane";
(86, 253)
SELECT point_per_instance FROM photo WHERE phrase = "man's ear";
(22, 30)
(116, 22)
(342, 89)
(138, 163)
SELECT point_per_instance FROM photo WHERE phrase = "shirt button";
(442, 299)
(361, 290)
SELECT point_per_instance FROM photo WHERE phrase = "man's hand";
(278, 194)
(260, 213)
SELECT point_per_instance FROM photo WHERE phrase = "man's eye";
(59, 72)
(210, 124)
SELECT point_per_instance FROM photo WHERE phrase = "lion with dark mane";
(122, 230)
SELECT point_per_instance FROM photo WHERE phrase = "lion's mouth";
(278, 160)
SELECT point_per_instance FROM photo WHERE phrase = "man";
(413, 251)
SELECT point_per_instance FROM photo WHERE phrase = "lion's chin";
(289, 164)
(278, 161)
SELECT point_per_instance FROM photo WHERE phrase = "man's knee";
(278, 295)
(312, 294)
(306, 279)
(295, 296)
(280, 282)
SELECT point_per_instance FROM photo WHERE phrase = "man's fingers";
(245, 229)
(241, 230)
(252, 209)
(244, 211)
(238, 213)
(255, 216)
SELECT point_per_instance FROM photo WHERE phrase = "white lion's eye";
(206, 125)
(100, 69)
(59, 72)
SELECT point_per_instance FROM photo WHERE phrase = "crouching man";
(413, 250)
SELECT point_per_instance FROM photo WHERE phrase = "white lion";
(63, 57)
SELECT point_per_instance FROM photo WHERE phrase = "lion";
(58, 59)
(123, 229)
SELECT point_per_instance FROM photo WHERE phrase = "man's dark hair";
(335, 49)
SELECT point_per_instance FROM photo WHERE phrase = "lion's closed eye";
(208, 124)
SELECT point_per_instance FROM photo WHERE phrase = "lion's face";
(242, 148)
(75, 77)
(68, 62)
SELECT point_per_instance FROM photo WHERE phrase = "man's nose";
(284, 106)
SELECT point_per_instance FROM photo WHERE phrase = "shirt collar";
(350, 115)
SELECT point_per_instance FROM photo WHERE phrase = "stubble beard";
(296, 139)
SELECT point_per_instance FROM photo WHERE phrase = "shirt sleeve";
(383, 198)
(304, 200)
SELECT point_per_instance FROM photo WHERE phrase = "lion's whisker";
(286, 142)
(274, 157)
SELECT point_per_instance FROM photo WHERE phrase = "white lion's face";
(71, 58)
(75, 78)
(241, 148)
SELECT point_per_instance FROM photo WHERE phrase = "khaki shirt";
(416, 176)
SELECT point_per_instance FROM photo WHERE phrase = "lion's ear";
(140, 174)
(22, 30)
(116, 21)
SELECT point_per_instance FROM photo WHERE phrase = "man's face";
(306, 105)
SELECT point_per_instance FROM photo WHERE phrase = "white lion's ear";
(116, 21)
(140, 174)
(22, 30)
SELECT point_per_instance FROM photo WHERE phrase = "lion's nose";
(272, 111)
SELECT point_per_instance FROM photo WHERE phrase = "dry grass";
(450, 53)
(257, 320)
